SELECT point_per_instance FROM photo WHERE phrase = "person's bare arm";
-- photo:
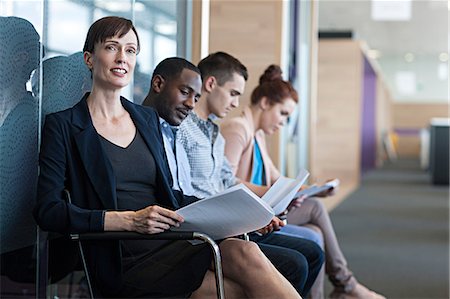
(258, 190)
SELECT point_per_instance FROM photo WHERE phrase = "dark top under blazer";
(72, 157)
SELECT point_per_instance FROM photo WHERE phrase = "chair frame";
(160, 236)
(42, 256)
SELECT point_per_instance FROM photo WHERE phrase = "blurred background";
(374, 112)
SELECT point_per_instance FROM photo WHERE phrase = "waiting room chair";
(43, 256)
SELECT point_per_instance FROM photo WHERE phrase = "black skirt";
(175, 270)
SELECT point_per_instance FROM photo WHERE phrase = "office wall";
(335, 151)
(251, 31)
(408, 119)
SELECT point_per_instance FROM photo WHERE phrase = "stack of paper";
(314, 190)
(238, 210)
(233, 212)
(282, 192)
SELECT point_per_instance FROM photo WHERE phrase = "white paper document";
(314, 190)
(233, 212)
(280, 195)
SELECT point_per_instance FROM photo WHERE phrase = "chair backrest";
(19, 111)
(64, 81)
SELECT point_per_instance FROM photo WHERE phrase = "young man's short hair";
(222, 66)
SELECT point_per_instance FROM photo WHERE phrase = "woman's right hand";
(155, 219)
(150, 220)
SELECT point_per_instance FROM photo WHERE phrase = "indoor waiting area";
(290, 149)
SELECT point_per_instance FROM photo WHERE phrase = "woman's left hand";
(329, 192)
(296, 203)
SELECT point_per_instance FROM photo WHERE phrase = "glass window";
(156, 23)
(68, 23)
(166, 47)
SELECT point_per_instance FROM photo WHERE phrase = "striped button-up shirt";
(204, 145)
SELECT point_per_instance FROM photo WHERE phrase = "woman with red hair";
(272, 101)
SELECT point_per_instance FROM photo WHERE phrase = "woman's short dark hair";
(108, 27)
(222, 66)
(273, 87)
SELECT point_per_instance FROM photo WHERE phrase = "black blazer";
(72, 157)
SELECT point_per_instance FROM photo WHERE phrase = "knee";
(313, 253)
(251, 253)
(293, 266)
(317, 255)
(250, 256)
(317, 205)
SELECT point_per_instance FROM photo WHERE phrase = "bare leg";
(208, 288)
(245, 264)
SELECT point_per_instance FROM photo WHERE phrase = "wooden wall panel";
(417, 115)
(336, 147)
(251, 31)
(413, 116)
(196, 31)
(408, 146)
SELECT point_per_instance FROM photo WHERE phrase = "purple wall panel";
(368, 126)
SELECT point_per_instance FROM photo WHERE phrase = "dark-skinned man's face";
(177, 96)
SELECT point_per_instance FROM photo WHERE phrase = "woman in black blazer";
(87, 149)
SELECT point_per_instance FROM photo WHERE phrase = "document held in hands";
(233, 212)
(314, 190)
(283, 190)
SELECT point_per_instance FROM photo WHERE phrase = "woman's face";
(113, 61)
(275, 116)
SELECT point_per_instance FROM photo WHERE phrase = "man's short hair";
(222, 66)
(172, 67)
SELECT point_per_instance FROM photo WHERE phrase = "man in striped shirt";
(224, 80)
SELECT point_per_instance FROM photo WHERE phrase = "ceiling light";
(405, 82)
(383, 10)
(409, 57)
(443, 57)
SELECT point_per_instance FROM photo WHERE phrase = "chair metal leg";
(42, 264)
(217, 262)
(86, 272)
(246, 237)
